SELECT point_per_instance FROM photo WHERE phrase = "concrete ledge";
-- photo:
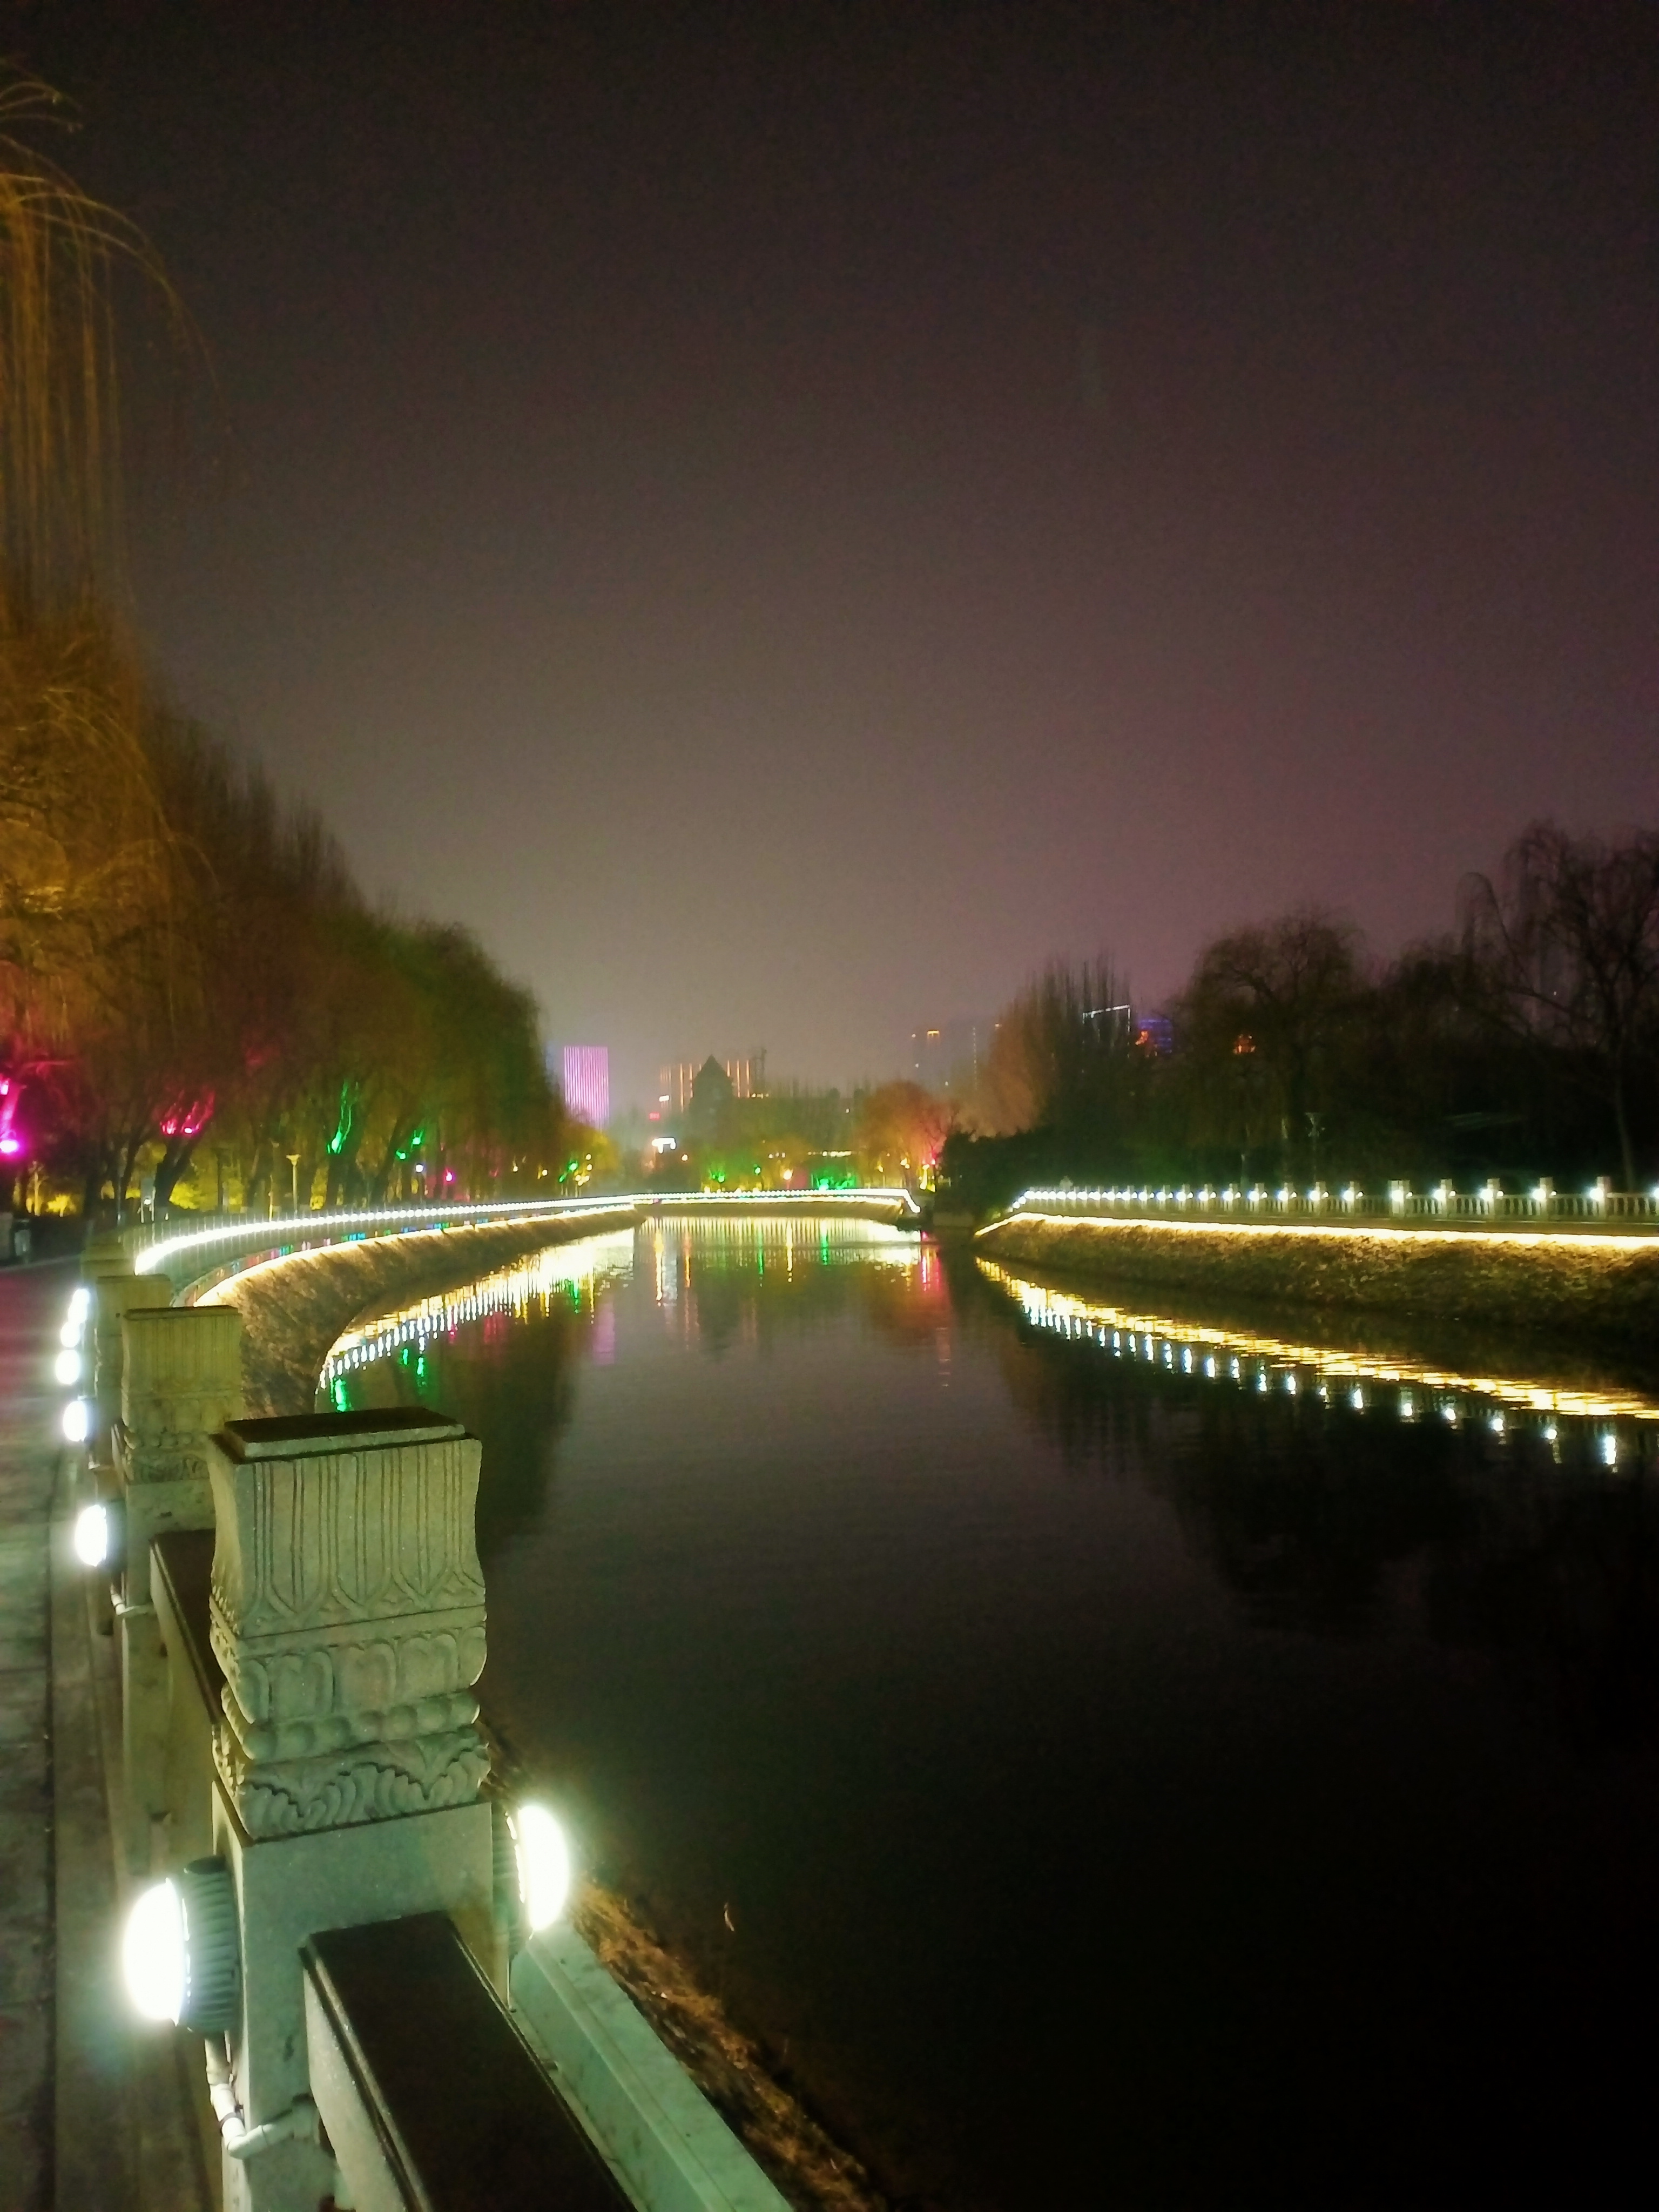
(667, 2145)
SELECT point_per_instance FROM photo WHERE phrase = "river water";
(1109, 1760)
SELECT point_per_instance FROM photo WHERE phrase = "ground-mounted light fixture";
(76, 1421)
(181, 1955)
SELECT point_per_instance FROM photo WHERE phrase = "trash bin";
(22, 1239)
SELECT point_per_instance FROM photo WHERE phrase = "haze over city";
(780, 520)
(829, 1104)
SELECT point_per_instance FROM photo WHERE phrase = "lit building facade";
(585, 1081)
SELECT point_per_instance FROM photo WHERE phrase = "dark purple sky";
(783, 517)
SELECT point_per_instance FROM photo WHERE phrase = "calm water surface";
(1124, 1784)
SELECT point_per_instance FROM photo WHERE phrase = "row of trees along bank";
(191, 987)
(1525, 1044)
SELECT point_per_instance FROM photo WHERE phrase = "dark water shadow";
(1535, 1556)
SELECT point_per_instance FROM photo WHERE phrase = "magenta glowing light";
(10, 1146)
(188, 1121)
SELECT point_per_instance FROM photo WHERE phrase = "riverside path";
(32, 1300)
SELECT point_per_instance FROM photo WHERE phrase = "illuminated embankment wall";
(293, 1308)
(1596, 1285)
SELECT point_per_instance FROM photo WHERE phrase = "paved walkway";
(32, 1303)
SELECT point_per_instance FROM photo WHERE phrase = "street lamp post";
(293, 1159)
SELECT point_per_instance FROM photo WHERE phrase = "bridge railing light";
(94, 1534)
(543, 1856)
(181, 1955)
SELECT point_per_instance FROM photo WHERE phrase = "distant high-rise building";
(675, 1078)
(949, 1058)
(586, 1082)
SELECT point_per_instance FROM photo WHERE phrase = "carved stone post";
(114, 1298)
(348, 1615)
(181, 1379)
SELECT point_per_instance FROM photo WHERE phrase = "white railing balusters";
(1399, 1202)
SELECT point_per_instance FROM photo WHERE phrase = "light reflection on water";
(574, 1275)
(566, 1274)
(1131, 1775)
(1410, 1389)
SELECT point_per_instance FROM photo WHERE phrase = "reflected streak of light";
(1064, 1310)
(575, 1269)
(582, 1269)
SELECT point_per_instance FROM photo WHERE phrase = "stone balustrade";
(302, 1621)
(1601, 1207)
(346, 1613)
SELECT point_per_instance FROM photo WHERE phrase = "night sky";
(781, 518)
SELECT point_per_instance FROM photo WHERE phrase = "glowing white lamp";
(80, 1304)
(69, 1335)
(77, 1421)
(181, 1955)
(544, 1865)
(152, 1953)
(92, 1535)
(66, 1368)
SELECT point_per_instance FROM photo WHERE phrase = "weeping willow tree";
(176, 949)
(88, 869)
(66, 260)
(1062, 1054)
